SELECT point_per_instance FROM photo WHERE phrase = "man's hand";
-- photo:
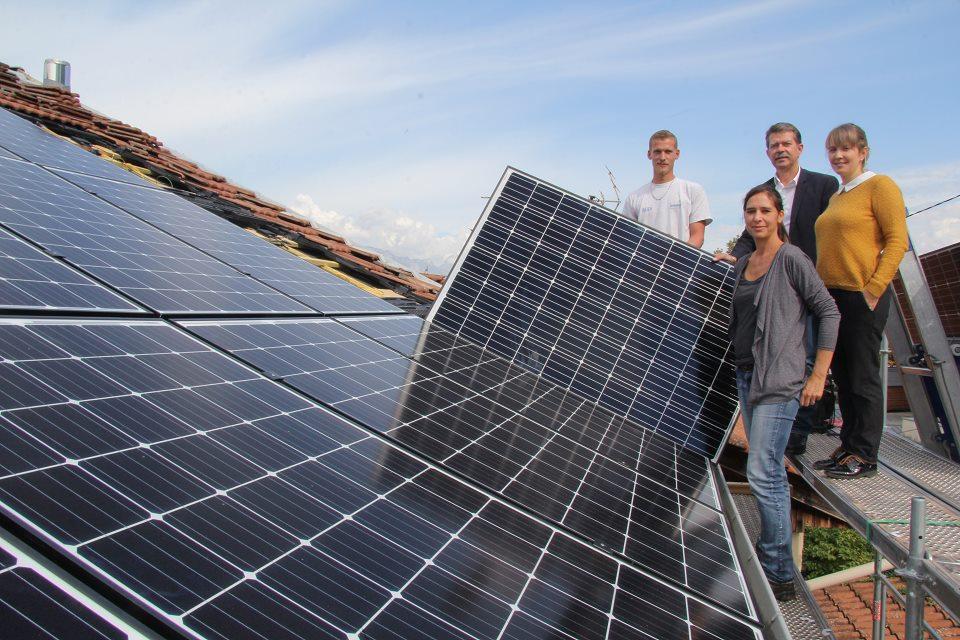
(725, 257)
(813, 390)
(870, 300)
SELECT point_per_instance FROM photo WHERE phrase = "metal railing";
(915, 578)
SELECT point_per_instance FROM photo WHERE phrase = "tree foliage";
(827, 551)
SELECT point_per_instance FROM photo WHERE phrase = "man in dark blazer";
(805, 196)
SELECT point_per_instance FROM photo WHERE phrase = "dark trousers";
(856, 370)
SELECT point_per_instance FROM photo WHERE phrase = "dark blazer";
(809, 201)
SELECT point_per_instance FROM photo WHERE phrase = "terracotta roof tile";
(62, 112)
(847, 607)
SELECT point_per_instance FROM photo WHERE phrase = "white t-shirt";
(670, 207)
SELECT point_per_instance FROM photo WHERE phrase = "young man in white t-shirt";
(674, 206)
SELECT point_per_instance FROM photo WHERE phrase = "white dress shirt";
(787, 191)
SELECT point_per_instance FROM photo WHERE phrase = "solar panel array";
(230, 506)
(29, 142)
(622, 314)
(367, 476)
(511, 433)
(151, 266)
(224, 240)
(32, 280)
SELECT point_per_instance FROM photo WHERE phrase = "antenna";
(602, 199)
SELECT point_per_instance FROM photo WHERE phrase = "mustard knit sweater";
(862, 237)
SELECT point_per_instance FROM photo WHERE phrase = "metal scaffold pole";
(879, 598)
(913, 572)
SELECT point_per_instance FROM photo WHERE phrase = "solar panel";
(230, 507)
(148, 265)
(32, 280)
(6, 154)
(630, 492)
(622, 314)
(32, 143)
(228, 242)
(31, 606)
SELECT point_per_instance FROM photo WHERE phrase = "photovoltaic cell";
(32, 280)
(150, 266)
(198, 227)
(32, 143)
(31, 606)
(289, 522)
(617, 312)
(540, 446)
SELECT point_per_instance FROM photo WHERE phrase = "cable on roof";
(933, 205)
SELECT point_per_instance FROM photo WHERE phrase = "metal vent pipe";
(56, 73)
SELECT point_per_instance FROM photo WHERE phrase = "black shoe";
(826, 463)
(783, 591)
(851, 467)
(797, 444)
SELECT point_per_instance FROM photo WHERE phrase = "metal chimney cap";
(56, 73)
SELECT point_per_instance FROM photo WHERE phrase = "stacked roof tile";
(62, 112)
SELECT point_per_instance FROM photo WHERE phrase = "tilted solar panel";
(198, 227)
(31, 606)
(6, 154)
(32, 280)
(145, 263)
(229, 507)
(622, 314)
(545, 449)
(32, 143)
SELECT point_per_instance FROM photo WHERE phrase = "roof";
(848, 609)
(62, 112)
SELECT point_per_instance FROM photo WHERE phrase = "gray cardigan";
(790, 288)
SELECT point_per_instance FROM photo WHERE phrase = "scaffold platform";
(879, 507)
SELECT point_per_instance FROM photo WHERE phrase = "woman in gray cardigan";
(775, 287)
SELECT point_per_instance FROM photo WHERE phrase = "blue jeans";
(768, 428)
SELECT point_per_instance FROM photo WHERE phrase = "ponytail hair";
(777, 201)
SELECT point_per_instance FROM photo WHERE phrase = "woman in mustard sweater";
(861, 238)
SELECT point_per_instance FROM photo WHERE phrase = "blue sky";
(389, 121)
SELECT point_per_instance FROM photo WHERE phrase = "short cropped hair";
(663, 134)
(851, 135)
(782, 127)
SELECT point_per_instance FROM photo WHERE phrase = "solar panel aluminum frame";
(764, 603)
(491, 203)
(29, 558)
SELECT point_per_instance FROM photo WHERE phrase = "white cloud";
(924, 186)
(399, 237)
